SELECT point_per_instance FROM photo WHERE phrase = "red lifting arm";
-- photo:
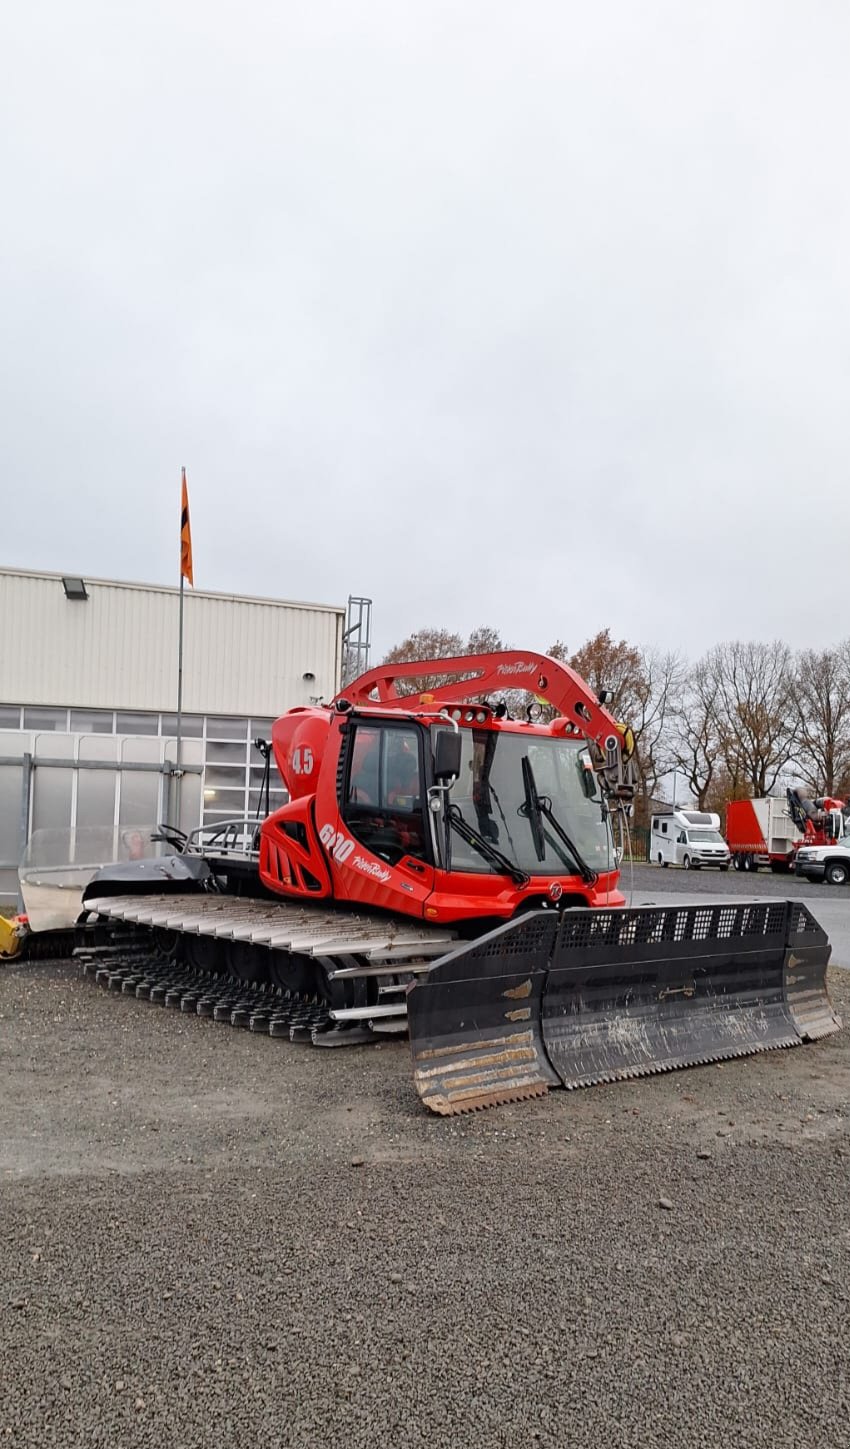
(477, 675)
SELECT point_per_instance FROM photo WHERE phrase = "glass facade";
(229, 787)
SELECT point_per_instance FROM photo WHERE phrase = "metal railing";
(235, 837)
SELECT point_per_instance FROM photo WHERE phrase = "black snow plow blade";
(599, 996)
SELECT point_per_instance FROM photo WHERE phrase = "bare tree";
(658, 688)
(755, 714)
(695, 735)
(721, 790)
(439, 644)
(610, 665)
(485, 641)
(641, 688)
(822, 706)
(733, 723)
(352, 665)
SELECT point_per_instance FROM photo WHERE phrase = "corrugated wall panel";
(118, 649)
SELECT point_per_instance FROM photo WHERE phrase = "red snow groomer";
(445, 868)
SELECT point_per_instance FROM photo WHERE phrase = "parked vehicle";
(829, 863)
(690, 838)
(770, 831)
(761, 833)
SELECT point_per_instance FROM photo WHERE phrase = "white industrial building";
(88, 690)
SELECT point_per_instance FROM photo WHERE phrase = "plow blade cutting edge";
(598, 996)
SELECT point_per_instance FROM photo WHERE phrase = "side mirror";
(588, 778)
(447, 752)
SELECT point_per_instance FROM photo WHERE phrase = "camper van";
(690, 838)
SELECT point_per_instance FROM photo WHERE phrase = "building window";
(233, 767)
(191, 726)
(139, 802)
(92, 722)
(220, 752)
(234, 771)
(226, 729)
(217, 777)
(45, 719)
(96, 797)
(136, 724)
(222, 801)
(52, 799)
(257, 802)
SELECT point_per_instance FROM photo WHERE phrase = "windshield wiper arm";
(531, 809)
(540, 805)
(468, 833)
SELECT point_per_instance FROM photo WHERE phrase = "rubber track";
(149, 976)
(46, 946)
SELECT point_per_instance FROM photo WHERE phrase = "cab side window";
(384, 798)
(363, 780)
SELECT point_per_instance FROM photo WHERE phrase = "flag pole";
(186, 572)
(179, 761)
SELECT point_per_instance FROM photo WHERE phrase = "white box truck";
(762, 832)
(690, 838)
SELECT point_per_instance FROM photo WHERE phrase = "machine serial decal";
(341, 847)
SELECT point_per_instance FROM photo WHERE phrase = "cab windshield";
(491, 796)
(705, 837)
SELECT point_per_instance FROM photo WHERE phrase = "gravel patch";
(212, 1238)
(782, 884)
(829, 904)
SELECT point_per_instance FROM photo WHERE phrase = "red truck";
(770, 831)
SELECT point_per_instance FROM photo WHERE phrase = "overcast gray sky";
(528, 315)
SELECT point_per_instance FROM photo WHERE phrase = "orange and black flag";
(185, 536)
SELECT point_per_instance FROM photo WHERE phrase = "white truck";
(830, 863)
(690, 838)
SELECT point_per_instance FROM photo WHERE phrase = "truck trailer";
(770, 831)
(761, 833)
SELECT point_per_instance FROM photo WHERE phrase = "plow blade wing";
(599, 996)
(475, 1025)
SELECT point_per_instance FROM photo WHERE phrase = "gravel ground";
(729, 883)
(215, 1239)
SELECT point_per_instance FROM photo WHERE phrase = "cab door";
(384, 855)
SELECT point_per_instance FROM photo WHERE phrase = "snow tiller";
(446, 864)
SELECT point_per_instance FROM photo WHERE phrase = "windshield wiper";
(531, 809)
(468, 833)
(537, 806)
